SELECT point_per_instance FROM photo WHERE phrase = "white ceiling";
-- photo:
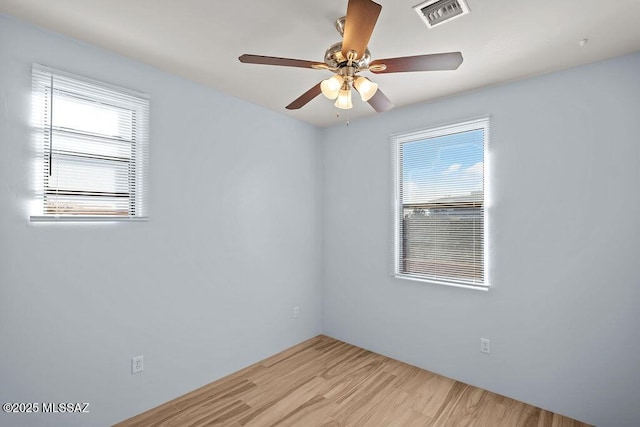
(501, 40)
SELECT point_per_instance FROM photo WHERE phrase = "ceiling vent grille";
(436, 12)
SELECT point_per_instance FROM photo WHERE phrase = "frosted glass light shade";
(344, 99)
(365, 87)
(331, 86)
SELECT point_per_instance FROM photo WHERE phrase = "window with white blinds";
(440, 217)
(92, 141)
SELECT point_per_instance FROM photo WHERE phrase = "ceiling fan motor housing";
(334, 58)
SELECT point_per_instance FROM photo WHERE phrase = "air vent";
(436, 12)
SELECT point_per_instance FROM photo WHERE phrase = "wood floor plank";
(283, 408)
(356, 371)
(207, 414)
(324, 382)
(427, 392)
(357, 409)
(316, 411)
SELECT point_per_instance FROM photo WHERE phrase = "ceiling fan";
(351, 56)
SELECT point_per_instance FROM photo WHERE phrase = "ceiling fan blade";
(303, 99)
(272, 60)
(434, 62)
(380, 102)
(362, 16)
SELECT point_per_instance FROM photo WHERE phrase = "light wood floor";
(326, 382)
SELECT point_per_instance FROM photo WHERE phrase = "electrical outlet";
(485, 345)
(137, 364)
(296, 312)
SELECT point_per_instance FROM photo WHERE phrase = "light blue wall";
(205, 288)
(564, 214)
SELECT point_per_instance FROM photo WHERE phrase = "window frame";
(397, 140)
(95, 93)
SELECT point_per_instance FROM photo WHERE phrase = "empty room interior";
(327, 213)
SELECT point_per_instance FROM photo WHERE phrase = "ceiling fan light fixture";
(331, 86)
(344, 99)
(365, 87)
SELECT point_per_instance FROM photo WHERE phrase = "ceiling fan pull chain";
(338, 116)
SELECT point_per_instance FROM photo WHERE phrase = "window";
(440, 219)
(91, 140)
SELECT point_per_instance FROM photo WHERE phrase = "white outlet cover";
(485, 345)
(137, 364)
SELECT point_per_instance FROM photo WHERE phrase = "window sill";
(80, 218)
(436, 282)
